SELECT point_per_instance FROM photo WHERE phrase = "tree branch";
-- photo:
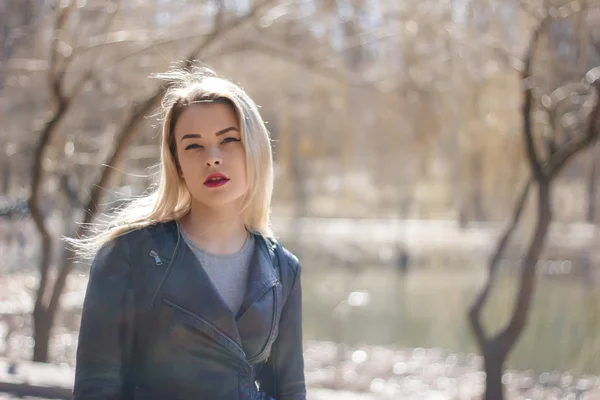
(526, 81)
(124, 137)
(280, 53)
(45, 138)
(535, 13)
(570, 149)
(95, 59)
(521, 308)
(480, 300)
(146, 47)
(507, 338)
(55, 77)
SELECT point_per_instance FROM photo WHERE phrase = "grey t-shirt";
(228, 272)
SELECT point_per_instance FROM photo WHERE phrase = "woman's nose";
(214, 158)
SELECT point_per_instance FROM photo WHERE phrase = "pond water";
(427, 308)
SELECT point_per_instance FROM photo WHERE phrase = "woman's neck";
(215, 231)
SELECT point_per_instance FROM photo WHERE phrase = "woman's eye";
(193, 146)
(230, 139)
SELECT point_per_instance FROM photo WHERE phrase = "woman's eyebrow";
(191, 136)
(224, 131)
(219, 133)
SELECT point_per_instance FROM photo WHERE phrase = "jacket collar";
(186, 283)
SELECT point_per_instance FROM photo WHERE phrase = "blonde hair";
(170, 199)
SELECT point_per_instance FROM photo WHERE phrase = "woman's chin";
(224, 201)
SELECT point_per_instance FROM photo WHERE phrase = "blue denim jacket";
(153, 326)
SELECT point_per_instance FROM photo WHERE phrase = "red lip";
(216, 179)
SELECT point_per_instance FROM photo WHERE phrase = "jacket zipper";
(156, 257)
(274, 316)
(167, 271)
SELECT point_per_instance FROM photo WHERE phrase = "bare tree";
(544, 168)
(62, 101)
(49, 292)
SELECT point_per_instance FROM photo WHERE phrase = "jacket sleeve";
(283, 376)
(106, 325)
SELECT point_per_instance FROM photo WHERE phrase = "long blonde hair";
(170, 199)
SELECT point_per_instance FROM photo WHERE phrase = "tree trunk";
(477, 190)
(6, 175)
(40, 319)
(590, 217)
(42, 327)
(494, 365)
(592, 186)
(496, 349)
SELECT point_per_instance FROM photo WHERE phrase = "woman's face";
(211, 155)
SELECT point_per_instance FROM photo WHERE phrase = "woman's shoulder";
(289, 267)
(139, 233)
(286, 258)
(130, 239)
(289, 257)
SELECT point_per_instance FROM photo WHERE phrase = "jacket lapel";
(257, 316)
(189, 287)
(262, 274)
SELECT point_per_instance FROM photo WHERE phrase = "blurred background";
(397, 131)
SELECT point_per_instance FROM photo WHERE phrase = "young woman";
(189, 296)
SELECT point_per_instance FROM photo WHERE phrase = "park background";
(400, 139)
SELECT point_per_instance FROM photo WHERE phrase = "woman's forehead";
(205, 118)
